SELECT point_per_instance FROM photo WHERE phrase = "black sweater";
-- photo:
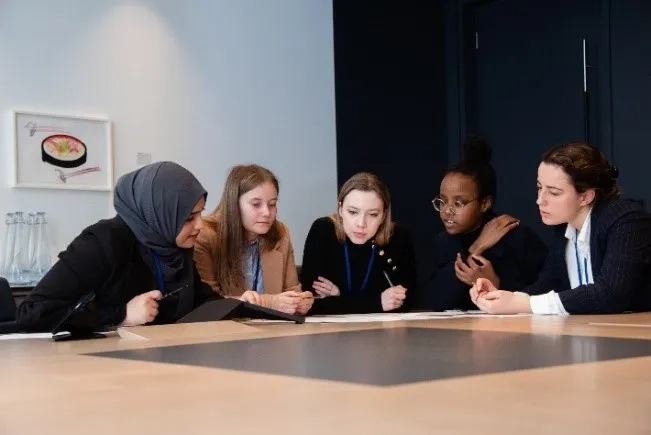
(517, 259)
(104, 259)
(323, 255)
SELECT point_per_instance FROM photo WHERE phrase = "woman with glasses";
(601, 259)
(476, 242)
(358, 260)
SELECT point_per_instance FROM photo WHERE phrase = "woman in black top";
(359, 260)
(132, 261)
(476, 242)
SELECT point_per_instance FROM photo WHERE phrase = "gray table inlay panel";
(394, 356)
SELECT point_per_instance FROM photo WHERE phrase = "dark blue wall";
(630, 33)
(390, 104)
(620, 81)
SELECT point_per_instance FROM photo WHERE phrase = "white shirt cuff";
(549, 303)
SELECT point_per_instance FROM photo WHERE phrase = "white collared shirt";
(579, 272)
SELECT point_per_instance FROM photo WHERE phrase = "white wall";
(206, 83)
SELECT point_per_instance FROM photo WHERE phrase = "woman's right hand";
(142, 309)
(393, 298)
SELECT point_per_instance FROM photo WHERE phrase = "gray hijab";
(155, 201)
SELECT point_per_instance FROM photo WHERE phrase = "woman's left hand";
(325, 287)
(474, 268)
(251, 297)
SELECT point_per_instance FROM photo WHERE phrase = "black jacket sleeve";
(314, 255)
(625, 265)
(82, 268)
(531, 253)
(443, 290)
(549, 277)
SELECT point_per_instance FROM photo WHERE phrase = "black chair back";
(7, 302)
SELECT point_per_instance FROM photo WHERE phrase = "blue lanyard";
(256, 268)
(159, 272)
(578, 262)
(368, 268)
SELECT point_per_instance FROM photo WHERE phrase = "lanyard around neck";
(368, 268)
(159, 272)
(256, 267)
(578, 262)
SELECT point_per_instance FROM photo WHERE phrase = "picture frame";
(62, 151)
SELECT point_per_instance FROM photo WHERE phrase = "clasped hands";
(290, 302)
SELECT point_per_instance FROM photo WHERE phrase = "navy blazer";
(517, 259)
(620, 249)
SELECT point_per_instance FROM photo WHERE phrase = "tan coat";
(278, 267)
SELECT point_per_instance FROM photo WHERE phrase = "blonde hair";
(366, 182)
(226, 221)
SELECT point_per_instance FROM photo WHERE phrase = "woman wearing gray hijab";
(138, 264)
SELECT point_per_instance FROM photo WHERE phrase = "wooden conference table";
(509, 375)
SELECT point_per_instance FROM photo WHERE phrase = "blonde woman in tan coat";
(243, 247)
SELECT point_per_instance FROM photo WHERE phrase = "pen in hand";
(173, 292)
(386, 275)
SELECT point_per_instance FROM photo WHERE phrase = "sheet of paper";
(265, 321)
(21, 336)
(354, 318)
(379, 317)
(35, 335)
(398, 317)
(631, 325)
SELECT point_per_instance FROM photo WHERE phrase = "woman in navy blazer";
(601, 259)
(476, 242)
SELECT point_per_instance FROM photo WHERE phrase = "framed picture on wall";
(55, 151)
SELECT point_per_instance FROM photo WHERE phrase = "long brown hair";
(226, 220)
(366, 182)
(586, 167)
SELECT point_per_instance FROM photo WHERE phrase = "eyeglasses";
(455, 207)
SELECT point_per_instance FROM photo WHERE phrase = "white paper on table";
(265, 321)
(397, 317)
(378, 317)
(626, 325)
(35, 335)
(26, 336)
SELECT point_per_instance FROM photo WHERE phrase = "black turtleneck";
(517, 259)
(324, 256)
